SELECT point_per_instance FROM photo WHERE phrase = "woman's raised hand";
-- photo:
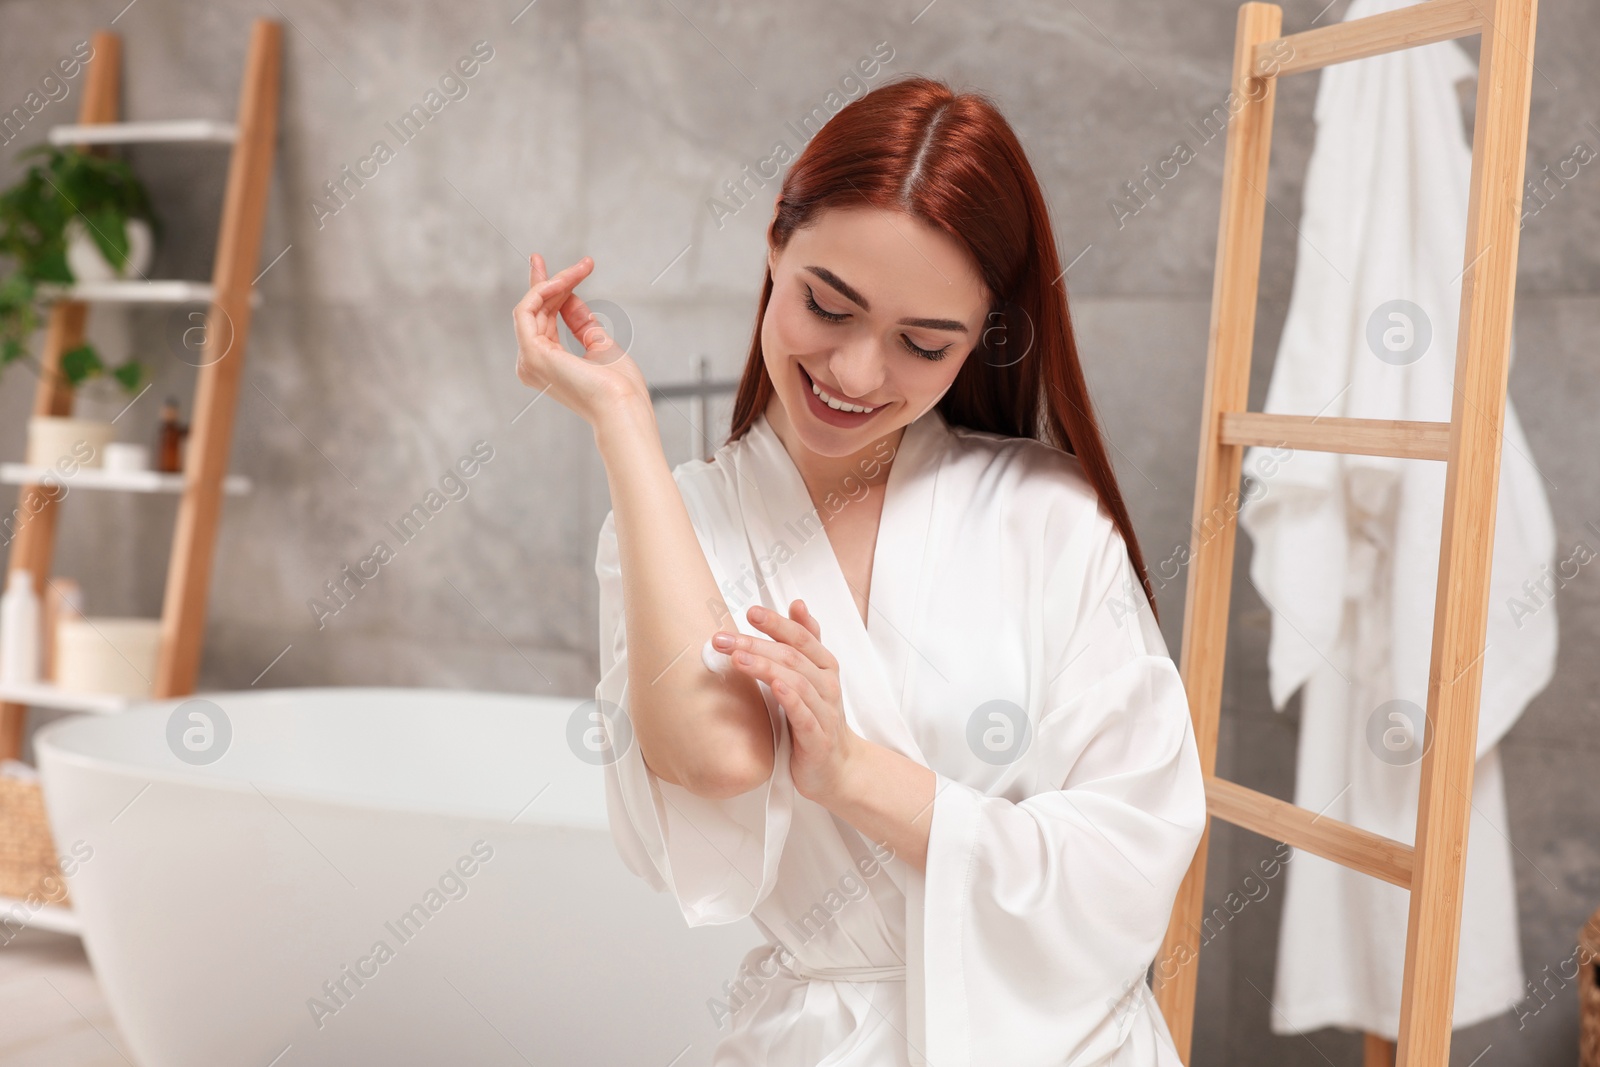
(593, 385)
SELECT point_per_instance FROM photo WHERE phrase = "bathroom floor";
(51, 1010)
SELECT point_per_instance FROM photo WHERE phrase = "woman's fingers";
(793, 633)
(578, 270)
(802, 614)
(548, 292)
(803, 724)
(768, 659)
(563, 281)
(536, 312)
(536, 274)
(794, 649)
(585, 326)
(777, 664)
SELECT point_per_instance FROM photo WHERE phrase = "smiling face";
(874, 308)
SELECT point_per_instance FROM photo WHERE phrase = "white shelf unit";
(252, 141)
(99, 478)
(46, 695)
(198, 131)
(138, 291)
(53, 917)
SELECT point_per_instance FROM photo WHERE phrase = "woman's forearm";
(707, 732)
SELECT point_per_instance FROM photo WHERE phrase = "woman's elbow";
(719, 760)
(730, 774)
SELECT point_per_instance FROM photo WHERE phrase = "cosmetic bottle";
(169, 438)
(19, 631)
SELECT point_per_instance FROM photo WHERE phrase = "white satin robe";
(1002, 608)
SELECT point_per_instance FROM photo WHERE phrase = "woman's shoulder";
(710, 477)
(1029, 475)
(1020, 457)
(709, 487)
(1075, 550)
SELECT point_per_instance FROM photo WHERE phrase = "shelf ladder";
(1433, 870)
(227, 326)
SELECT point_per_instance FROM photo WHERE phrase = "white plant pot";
(88, 265)
(65, 440)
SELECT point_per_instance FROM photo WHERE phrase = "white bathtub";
(218, 900)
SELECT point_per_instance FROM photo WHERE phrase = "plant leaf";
(105, 225)
(58, 184)
(80, 364)
(129, 374)
(51, 266)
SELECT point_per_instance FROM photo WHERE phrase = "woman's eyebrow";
(850, 293)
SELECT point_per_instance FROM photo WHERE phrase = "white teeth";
(838, 405)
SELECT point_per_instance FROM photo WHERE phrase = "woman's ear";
(772, 252)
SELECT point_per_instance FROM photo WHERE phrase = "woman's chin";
(838, 442)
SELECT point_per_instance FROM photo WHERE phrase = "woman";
(884, 674)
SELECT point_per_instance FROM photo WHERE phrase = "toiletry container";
(170, 437)
(19, 630)
(63, 599)
(124, 456)
(107, 655)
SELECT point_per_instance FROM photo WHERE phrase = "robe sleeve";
(718, 857)
(1041, 915)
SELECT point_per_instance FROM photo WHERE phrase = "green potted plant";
(70, 210)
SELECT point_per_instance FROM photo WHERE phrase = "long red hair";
(953, 161)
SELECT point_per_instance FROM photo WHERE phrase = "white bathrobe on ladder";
(1009, 648)
(1346, 548)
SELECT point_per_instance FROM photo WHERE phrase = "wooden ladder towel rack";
(1433, 870)
(221, 358)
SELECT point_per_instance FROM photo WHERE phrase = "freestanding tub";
(370, 876)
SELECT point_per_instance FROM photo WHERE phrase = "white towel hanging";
(1346, 548)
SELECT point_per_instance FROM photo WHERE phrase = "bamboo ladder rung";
(1360, 850)
(1390, 31)
(1363, 437)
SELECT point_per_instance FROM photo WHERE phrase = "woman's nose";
(858, 369)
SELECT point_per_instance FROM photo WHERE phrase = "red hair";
(952, 160)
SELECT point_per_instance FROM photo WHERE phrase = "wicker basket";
(28, 864)
(1589, 993)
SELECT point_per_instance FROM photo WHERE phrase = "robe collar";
(795, 560)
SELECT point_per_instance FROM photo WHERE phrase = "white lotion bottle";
(19, 631)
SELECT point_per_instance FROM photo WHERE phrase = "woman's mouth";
(817, 399)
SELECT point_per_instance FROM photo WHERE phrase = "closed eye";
(933, 354)
(834, 316)
(831, 316)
